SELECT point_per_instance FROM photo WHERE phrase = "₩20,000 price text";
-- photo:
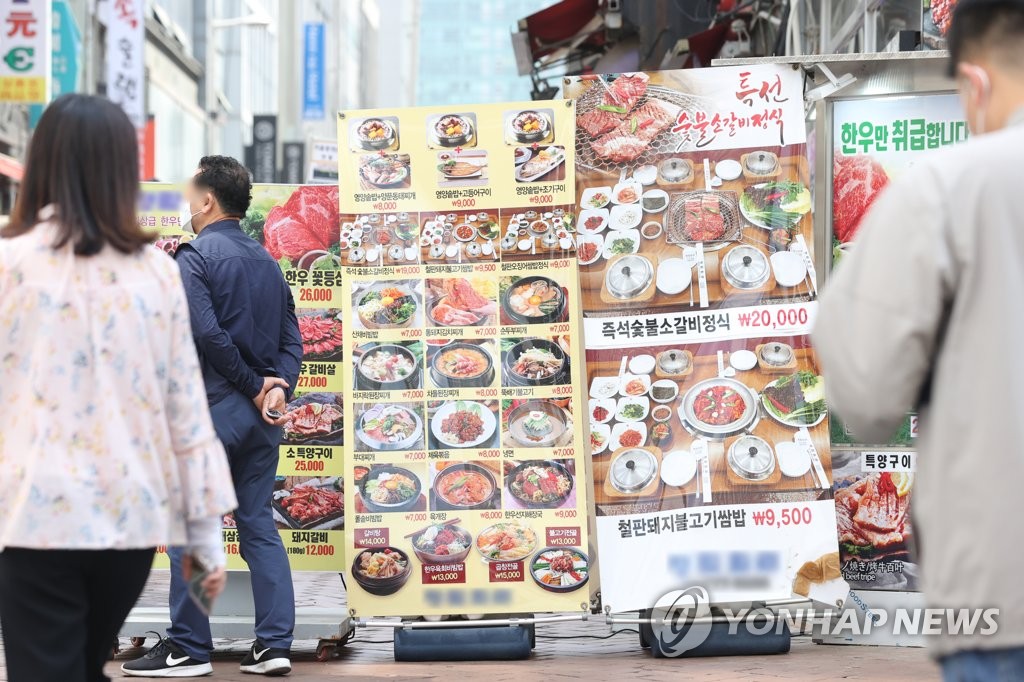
(779, 317)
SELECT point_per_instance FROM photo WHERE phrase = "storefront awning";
(11, 167)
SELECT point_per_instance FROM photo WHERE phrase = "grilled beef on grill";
(636, 132)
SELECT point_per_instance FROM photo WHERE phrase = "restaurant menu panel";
(465, 370)
(709, 435)
(300, 227)
(873, 142)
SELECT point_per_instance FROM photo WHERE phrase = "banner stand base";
(234, 614)
(721, 639)
(485, 643)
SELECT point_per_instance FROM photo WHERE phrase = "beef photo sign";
(873, 142)
(299, 226)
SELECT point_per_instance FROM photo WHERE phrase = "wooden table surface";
(592, 276)
(722, 485)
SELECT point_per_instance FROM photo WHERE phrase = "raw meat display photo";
(856, 183)
(299, 226)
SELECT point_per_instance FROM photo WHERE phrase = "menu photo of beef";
(315, 419)
(309, 503)
(299, 226)
(873, 517)
(856, 182)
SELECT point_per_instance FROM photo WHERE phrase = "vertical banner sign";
(874, 141)
(466, 425)
(67, 46)
(706, 413)
(249, 159)
(294, 162)
(126, 33)
(65, 54)
(25, 38)
(313, 73)
(299, 227)
(264, 148)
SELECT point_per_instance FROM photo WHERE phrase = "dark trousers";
(996, 665)
(252, 447)
(62, 609)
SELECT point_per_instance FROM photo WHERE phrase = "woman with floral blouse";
(107, 449)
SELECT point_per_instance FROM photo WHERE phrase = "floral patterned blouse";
(106, 440)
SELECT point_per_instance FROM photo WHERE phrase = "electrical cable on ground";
(614, 634)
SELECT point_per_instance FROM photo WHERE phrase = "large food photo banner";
(693, 189)
(470, 487)
(711, 460)
(874, 140)
(300, 228)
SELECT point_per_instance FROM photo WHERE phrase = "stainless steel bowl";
(558, 416)
(633, 470)
(629, 277)
(776, 354)
(746, 267)
(751, 458)
(673, 362)
(762, 163)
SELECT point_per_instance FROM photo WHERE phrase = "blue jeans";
(997, 665)
(252, 447)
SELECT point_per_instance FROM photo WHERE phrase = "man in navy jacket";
(250, 350)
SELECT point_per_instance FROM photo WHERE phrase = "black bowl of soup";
(461, 365)
(465, 486)
(536, 362)
(534, 300)
(382, 571)
(388, 367)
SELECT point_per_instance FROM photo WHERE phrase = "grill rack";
(675, 218)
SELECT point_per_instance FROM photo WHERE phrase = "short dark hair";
(229, 181)
(84, 160)
(986, 25)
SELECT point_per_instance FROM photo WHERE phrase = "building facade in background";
(465, 53)
(215, 68)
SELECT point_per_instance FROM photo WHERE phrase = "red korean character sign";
(25, 51)
(126, 86)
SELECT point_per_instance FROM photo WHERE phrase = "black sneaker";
(263, 660)
(166, 659)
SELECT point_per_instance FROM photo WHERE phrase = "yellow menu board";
(300, 228)
(465, 442)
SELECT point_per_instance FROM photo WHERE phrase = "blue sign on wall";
(67, 46)
(313, 73)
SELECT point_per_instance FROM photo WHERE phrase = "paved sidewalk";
(582, 657)
(370, 656)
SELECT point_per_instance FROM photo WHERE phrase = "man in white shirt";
(923, 316)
